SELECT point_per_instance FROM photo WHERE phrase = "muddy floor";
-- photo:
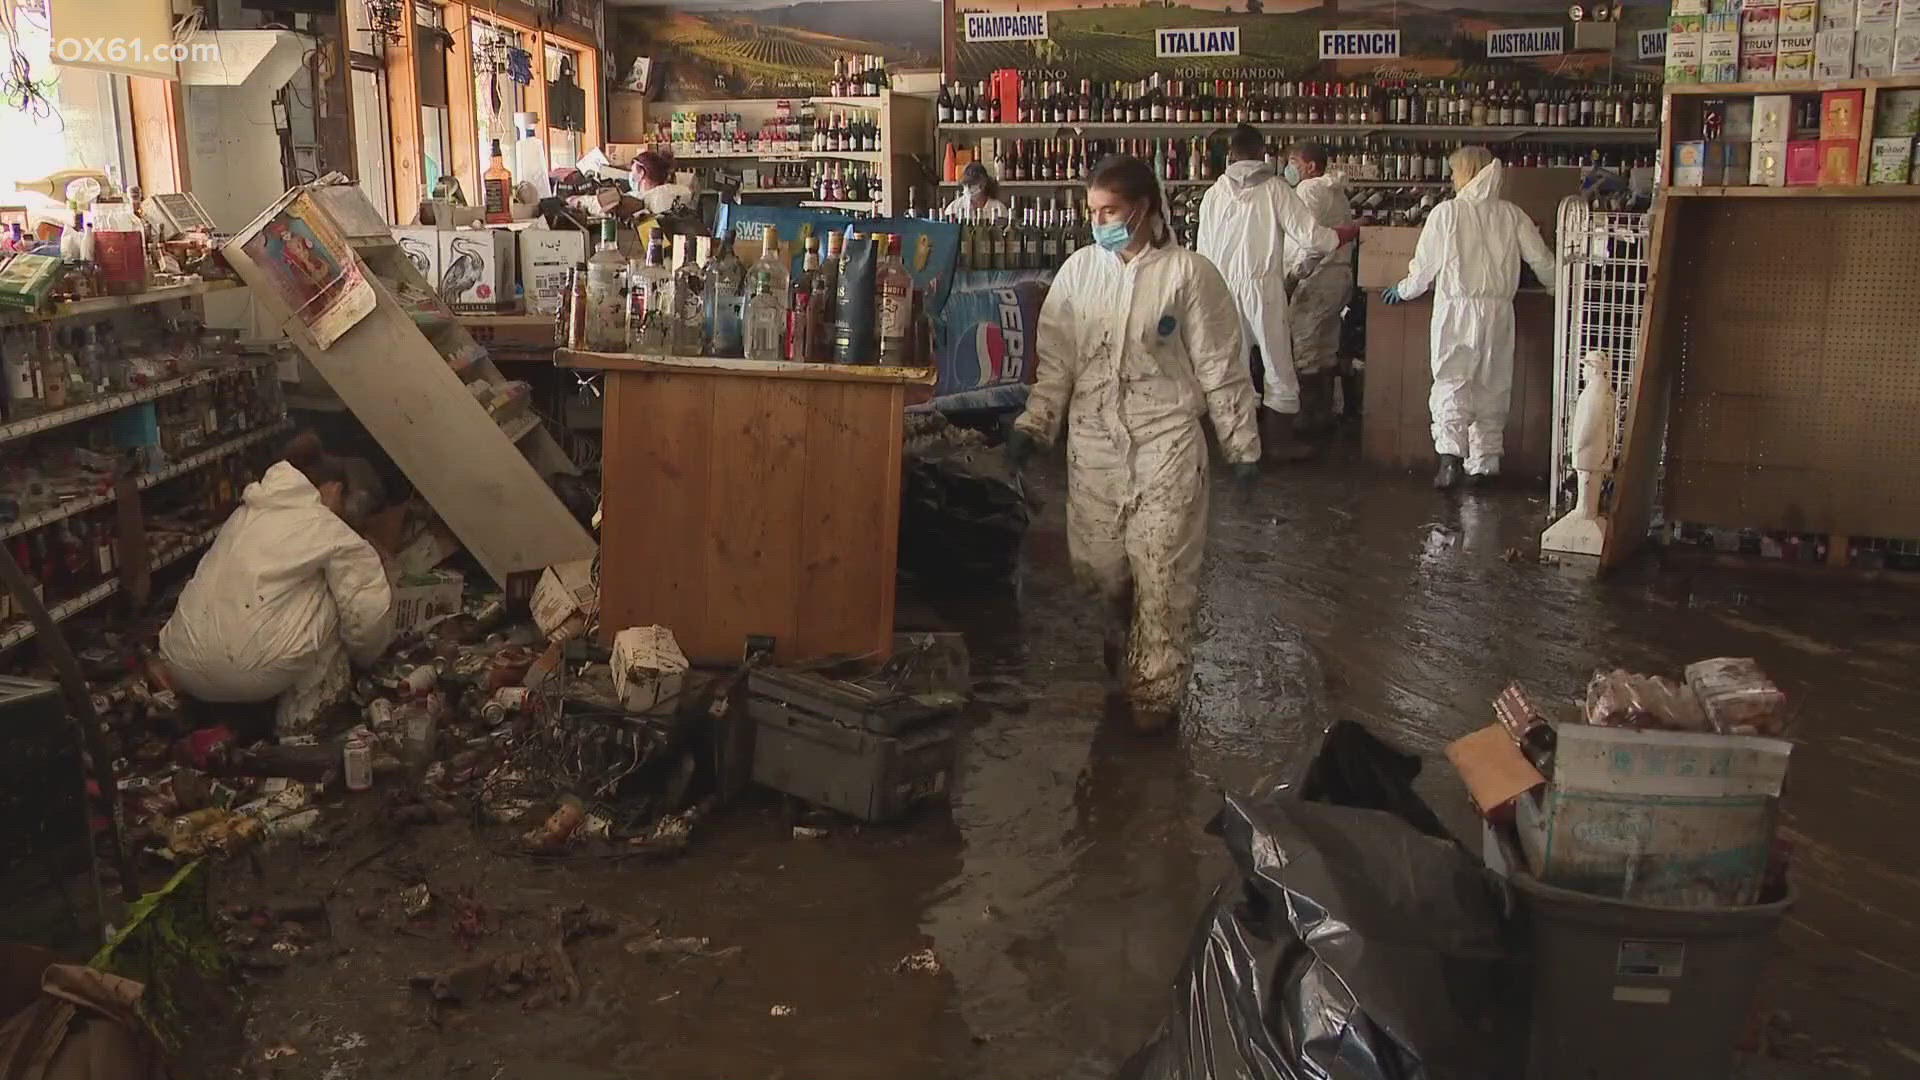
(1058, 893)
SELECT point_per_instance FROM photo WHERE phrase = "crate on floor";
(835, 745)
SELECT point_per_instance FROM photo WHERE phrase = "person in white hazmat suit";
(1324, 285)
(285, 597)
(1255, 229)
(1138, 338)
(1470, 252)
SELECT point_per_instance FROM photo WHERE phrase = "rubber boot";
(1278, 440)
(1448, 477)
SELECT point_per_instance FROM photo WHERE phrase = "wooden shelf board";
(1799, 191)
(1508, 133)
(720, 365)
(1810, 86)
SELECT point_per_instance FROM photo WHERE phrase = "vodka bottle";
(606, 314)
(766, 308)
(724, 274)
(648, 287)
(690, 298)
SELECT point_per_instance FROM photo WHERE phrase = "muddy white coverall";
(1325, 283)
(1470, 253)
(285, 595)
(1131, 354)
(1251, 222)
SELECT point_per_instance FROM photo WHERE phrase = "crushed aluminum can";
(416, 901)
(356, 763)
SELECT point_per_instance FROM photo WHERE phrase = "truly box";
(1873, 52)
(1836, 14)
(422, 248)
(1772, 118)
(1799, 17)
(1896, 112)
(1690, 164)
(1803, 163)
(547, 257)
(1906, 47)
(1688, 7)
(1768, 165)
(1840, 113)
(1684, 34)
(1760, 23)
(1839, 162)
(1833, 54)
(1756, 67)
(1876, 13)
(1720, 50)
(1793, 66)
(1892, 161)
(476, 269)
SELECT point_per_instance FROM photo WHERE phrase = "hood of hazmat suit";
(1469, 253)
(1131, 353)
(1251, 222)
(285, 586)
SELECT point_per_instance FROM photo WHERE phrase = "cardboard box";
(547, 256)
(1793, 66)
(1896, 112)
(1772, 118)
(476, 269)
(1873, 52)
(1720, 52)
(1690, 164)
(422, 248)
(1883, 13)
(1836, 14)
(648, 668)
(1892, 161)
(1833, 54)
(1768, 166)
(1688, 7)
(1736, 162)
(1799, 18)
(1684, 41)
(1840, 113)
(1803, 163)
(1756, 68)
(1495, 771)
(1737, 120)
(1656, 817)
(1906, 48)
(1385, 251)
(565, 600)
(1839, 162)
(1760, 24)
(420, 598)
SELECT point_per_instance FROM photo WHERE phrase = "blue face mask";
(1113, 236)
(1292, 174)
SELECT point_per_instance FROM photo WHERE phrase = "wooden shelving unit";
(104, 305)
(1777, 383)
(1498, 133)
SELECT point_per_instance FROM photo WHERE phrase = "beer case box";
(1735, 160)
(547, 257)
(1760, 24)
(1737, 120)
(1803, 163)
(1690, 164)
(1873, 52)
(565, 600)
(1684, 36)
(1891, 161)
(1799, 18)
(1719, 55)
(1793, 67)
(1837, 14)
(1757, 67)
(1833, 54)
(1896, 112)
(422, 248)
(1884, 13)
(1772, 118)
(1840, 113)
(648, 669)
(420, 598)
(1768, 165)
(476, 269)
(1839, 162)
(1906, 48)
(1688, 7)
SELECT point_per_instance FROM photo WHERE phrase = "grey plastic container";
(1630, 992)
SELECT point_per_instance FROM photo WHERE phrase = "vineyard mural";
(1116, 40)
(733, 49)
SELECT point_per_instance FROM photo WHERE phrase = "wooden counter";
(744, 498)
(1395, 429)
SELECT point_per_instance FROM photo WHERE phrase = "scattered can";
(356, 762)
(421, 680)
(380, 714)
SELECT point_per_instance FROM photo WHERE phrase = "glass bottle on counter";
(120, 249)
(649, 285)
(689, 337)
(826, 299)
(802, 312)
(606, 314)
(496, 188)
(895, 295)
(724, 275)
(766, 303)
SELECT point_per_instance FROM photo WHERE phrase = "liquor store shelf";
(1068, 184)
(827, 204)
(179, 468)
(100, 305)
(1499, 133)
(744, 192)
(873, 157)
(34, 425)
(67, 609)
(1851, 191)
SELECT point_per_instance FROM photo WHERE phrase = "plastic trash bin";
(1631, 992)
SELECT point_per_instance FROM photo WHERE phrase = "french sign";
(1215, 41)
(1009, 26)
(1359, 44)
(1653, 44)
(1535, 41)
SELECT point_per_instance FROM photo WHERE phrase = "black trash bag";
(1350, 945)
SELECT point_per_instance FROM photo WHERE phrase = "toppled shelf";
(724, 365)
(100, 305)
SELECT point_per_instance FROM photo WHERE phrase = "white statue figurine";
(1590, 442)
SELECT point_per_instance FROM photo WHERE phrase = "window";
(436, 128)
(565, 119)
(500, 59)
(78, 120)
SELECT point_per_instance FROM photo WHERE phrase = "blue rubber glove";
(1391, 295)
(1020, 449)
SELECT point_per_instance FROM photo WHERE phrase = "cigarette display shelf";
(104, 305)
(158, 558)
(179, 468)
(34, 425)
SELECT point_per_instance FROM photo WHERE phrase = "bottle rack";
(404, 371)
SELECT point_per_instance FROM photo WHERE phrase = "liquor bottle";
(18, 363)
(689, 334)
(801, 308)
(648, 284)
(496, 186)
(825, 301)
(766, 303)
(606, 313)
(894, 292)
